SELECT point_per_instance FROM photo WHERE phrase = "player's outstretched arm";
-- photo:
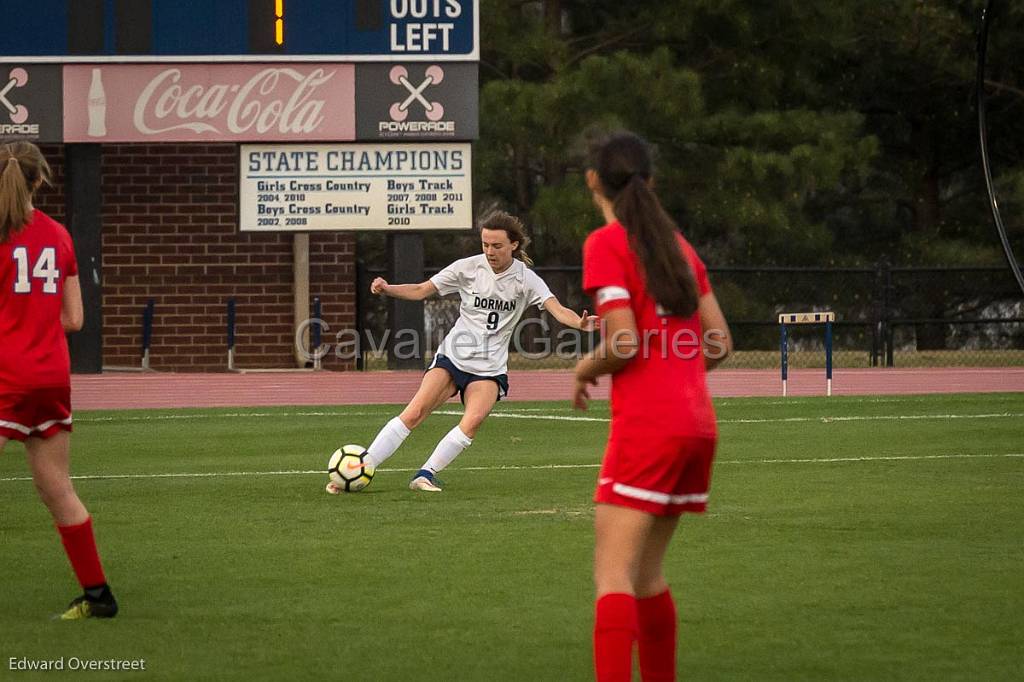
(619, 345)
(717, 344)
(568, 317)
(408, 292)
(72, 314)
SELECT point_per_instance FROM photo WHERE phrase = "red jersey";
(663, 390)
(34, 262)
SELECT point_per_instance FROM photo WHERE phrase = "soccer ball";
(344, 471)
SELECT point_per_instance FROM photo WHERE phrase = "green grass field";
(846, 539)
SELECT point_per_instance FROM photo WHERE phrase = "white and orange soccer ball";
(346, 471)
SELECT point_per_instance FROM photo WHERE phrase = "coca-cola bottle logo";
(97, 105)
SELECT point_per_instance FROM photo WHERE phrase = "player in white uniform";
(496, 288)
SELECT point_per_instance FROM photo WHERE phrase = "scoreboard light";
(279, 22)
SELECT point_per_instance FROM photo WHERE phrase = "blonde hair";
(22, 167)
(513, 227)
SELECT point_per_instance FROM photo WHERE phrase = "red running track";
(158, 390)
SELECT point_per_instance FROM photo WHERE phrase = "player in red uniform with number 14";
(40, 300)
(663, 331)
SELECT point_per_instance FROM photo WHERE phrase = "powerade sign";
(417, 101)
(30, 102)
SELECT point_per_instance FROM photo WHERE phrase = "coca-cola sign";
(209, 102)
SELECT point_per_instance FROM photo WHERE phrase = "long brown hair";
(513, 227)
(22, 166)
(623, 164)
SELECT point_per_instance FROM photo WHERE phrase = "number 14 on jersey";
(45, 269)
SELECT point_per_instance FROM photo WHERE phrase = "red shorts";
(34, 412)
(661, 475)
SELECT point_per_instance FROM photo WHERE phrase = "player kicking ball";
(496, 288)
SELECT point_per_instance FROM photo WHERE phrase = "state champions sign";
(385, 186)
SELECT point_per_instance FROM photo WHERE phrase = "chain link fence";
(886, 316)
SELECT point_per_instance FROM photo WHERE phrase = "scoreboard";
(239, 30)
(279, 77)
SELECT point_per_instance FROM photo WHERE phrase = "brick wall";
(170, 233)
(51, 199)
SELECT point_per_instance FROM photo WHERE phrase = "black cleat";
(104, 606)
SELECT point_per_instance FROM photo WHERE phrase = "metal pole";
(828, 358)
(784, 352)
(979, 86)
(888, 335)
(314, 342)
(231, 334)
(147, 331)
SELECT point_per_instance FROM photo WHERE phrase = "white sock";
(453, 443)
(387, 441)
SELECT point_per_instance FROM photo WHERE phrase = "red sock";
(657, 618)
(80, 545)
(615, 630)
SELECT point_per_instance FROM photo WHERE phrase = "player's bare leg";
(49, 460)
(436, 388)
(480, 397)
(655, 608)
(650, 579)
(620, 537)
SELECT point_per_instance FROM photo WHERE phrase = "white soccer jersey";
(491, 307)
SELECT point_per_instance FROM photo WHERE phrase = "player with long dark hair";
(663, 329)
(40, 301)
(496, 288)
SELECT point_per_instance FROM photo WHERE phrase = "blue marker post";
(828, 358)
(784, 351)
(315, 340)
(825, 318)
(231, 334)
(147, 332)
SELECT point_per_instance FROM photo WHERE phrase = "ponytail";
(652, 235)
(22, 166)
(521, 254)
(623, 165)
(15, 199)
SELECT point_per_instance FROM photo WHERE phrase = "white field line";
(517, 415)
(504, 414)
(767, 420)
(871, 418)
(844, 399)
(879, 458)
(532, 467)
(222, 415)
